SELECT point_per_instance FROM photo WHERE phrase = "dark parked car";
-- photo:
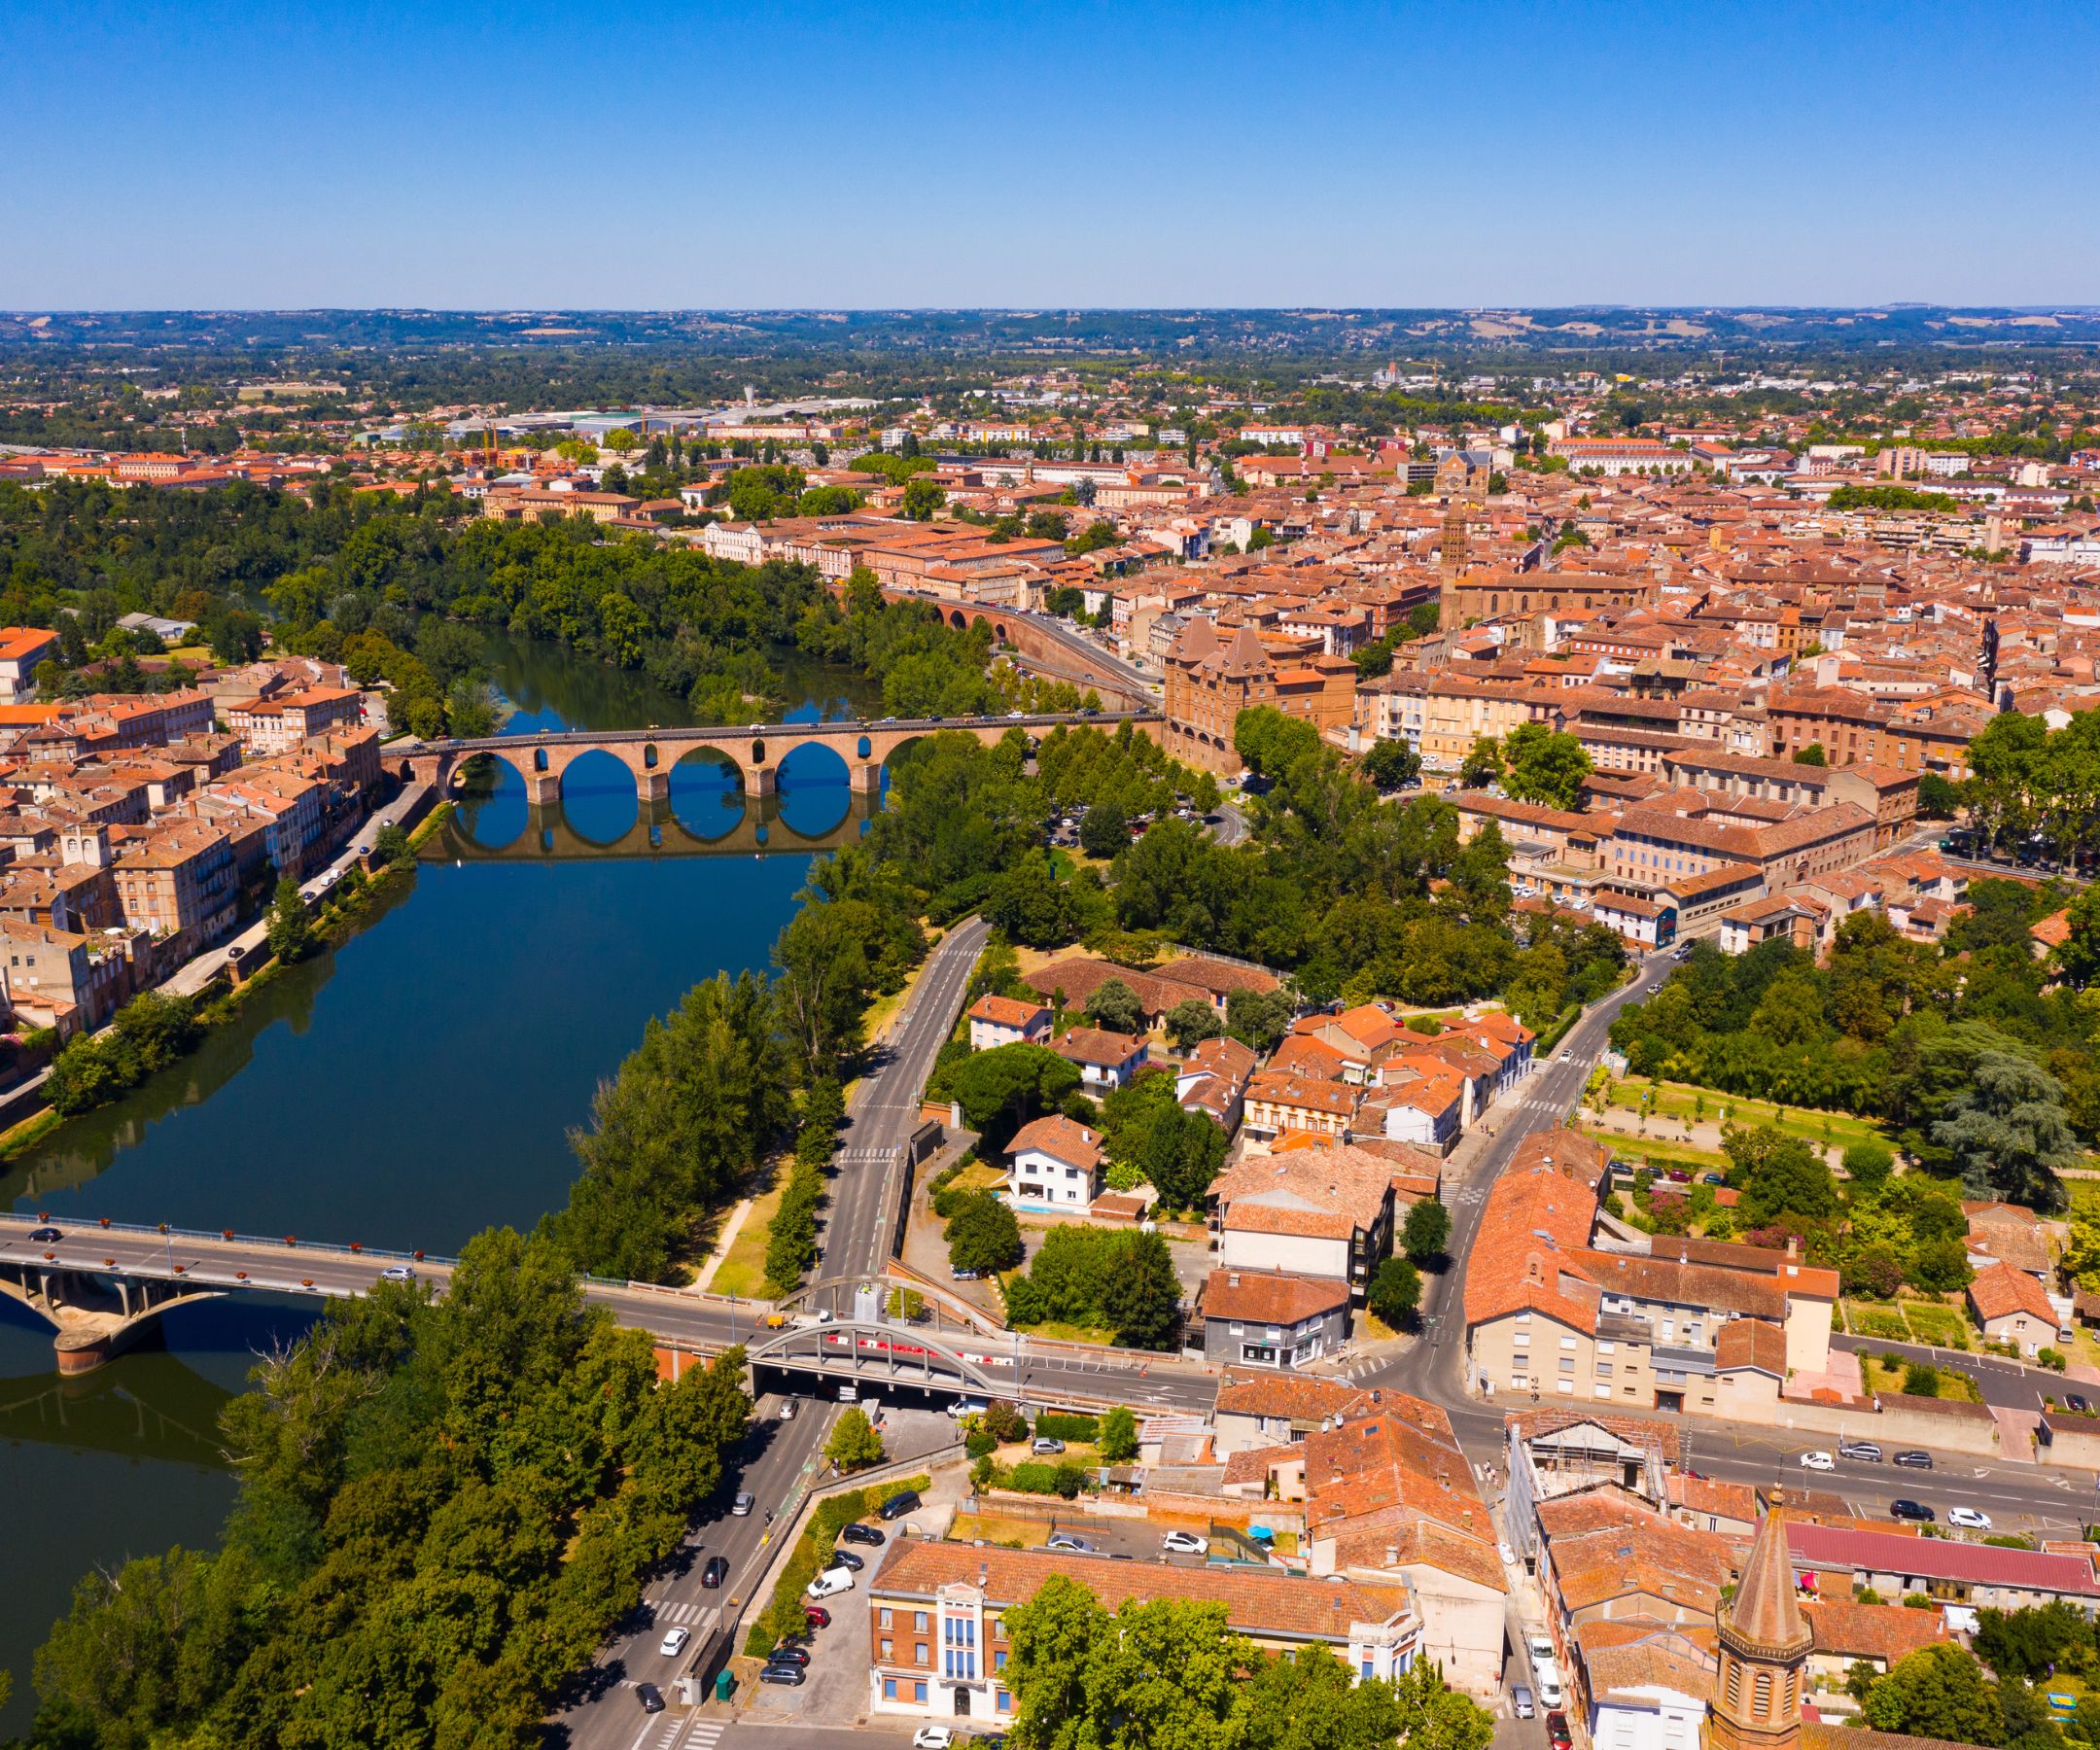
(1911, 1510)
(45, 1236)
(791, 1674)
(652, 1697)
(1913, 1459)
(859, 1533)
(1557, 1731)
(715, 1571)
(2072, 1401)
(788, 1653)
(897, 1506)
(846, 1558)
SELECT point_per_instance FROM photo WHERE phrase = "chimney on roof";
(1392, 1555)
(1232, 1279)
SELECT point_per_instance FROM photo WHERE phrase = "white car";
(1970, 1519)
(829, 1583)
(933, 1737)
(1817, 1461)
(786, 1410)
(1186, 1543)
(397, 1272)
(673, 1642)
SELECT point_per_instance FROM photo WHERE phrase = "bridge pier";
(867, 779)
(652, 785)
(762, 781)
(542, 790)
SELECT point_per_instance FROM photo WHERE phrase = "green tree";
(1391, 765)
(854, 1444)
(825, 980)
(1103, 830)
(1192, 1021)
(1395, 1291)
(1544, 765)
(1426, 1231)
(291, 930)
(1482, 764)
(1936, 1691)
(983, 1235)
(1116, 1439)
(1007, 1087)
(922, 498)
(1777, 1175)
(1114, 1005)
(1141, 1298)
(1811, 756)
(2007, 1132)
(390, 845)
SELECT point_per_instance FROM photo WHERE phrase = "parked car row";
(1865, 1452)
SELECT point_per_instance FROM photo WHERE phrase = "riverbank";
(339, 920)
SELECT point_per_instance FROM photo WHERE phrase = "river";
(407, 1090)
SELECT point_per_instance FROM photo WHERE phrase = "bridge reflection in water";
(148, 1406)
(493, 823)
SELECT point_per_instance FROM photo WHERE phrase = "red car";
(1557, 1730)
(816, 1616)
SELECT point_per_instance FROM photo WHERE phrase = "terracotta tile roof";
(1265, 1603)
(1269, 1297)
(1297, 1398)
(1999, 1291)
(1098, 1046)
(1710, 1495)
(1323, 1190)
(1829, 1735)
(1307, 1059)
(1885, 1631)
(1751, 1343)
(1939, 1559)
(1006, 1012)
(1295, 1093)
(1061, 1138)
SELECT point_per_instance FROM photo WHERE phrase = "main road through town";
(784, 1456)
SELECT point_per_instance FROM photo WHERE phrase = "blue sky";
(878, 155)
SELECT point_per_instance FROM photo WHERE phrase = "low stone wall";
(1893, 1425)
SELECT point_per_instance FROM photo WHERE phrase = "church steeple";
(1765, 1646)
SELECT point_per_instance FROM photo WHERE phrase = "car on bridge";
(45, 1236)
(397, 1272)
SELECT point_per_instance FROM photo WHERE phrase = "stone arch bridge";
(755, 751)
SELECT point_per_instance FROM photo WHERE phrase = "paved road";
(881, 1117)
(1435, 1367)
(2004, 1385)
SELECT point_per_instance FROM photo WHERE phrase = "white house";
(995, 1021)
(1053, 1164)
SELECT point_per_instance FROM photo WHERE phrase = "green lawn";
(1655, 1151)
(743, 1270)
(1681, 1100)
(1957, 1387)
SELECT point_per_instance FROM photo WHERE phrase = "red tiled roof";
(1939, 1559)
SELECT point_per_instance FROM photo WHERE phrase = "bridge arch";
(706, 792)
(492, 798)
(600, 798)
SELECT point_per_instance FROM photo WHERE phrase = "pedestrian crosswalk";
(865, 1156)
(686, 1613)
(706, 1735)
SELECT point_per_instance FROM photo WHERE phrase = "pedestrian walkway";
(730, 1229)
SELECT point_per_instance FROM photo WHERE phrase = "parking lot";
(836, 1691)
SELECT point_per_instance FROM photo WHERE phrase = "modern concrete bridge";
(102, 1284)
(754, 752)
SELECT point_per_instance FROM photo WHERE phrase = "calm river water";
(406, 1091)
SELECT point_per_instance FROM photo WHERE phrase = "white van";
(963, 1406)
(829, 1583)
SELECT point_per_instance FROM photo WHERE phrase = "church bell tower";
(1765, 1646)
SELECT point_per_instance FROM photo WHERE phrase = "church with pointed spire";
(1765, 1643)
